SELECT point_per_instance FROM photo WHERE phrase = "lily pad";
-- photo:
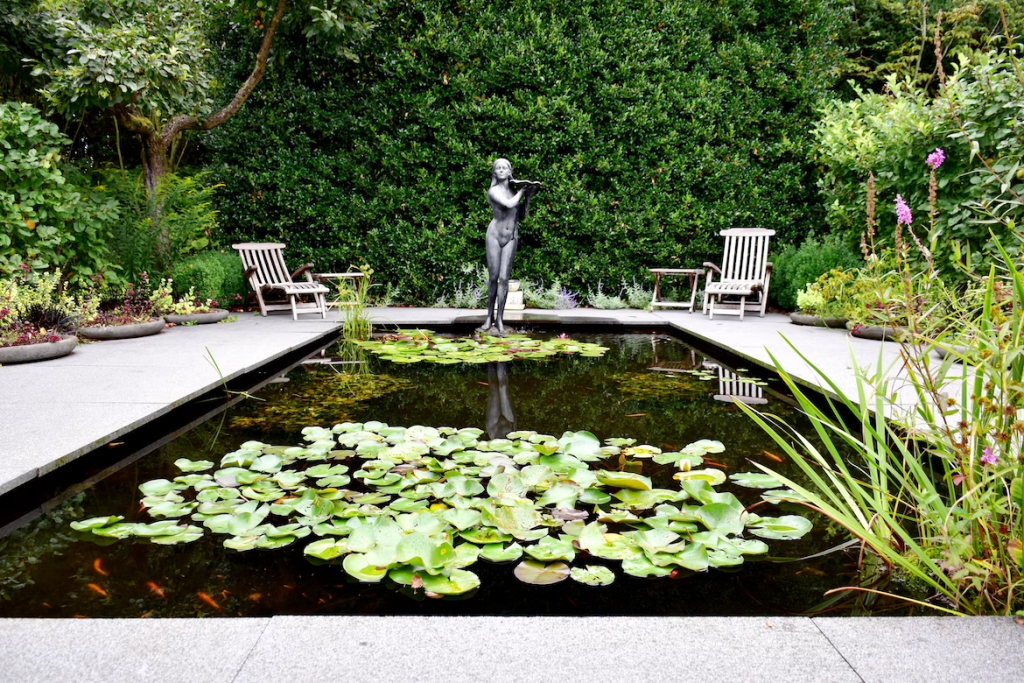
(592, 575)
(495, 552)
(788, 528)
(541, 574)
(186, 465)
(755, 480)
(626, 480)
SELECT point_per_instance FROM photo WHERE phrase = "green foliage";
(894, 37)
(796, 267)
(892, 134)
(49, 217)
(215, 274)
(180, 207)
(599, 299)
(155, 55)
(829, 296)
(653, 124)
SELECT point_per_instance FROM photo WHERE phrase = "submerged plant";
(419, 505)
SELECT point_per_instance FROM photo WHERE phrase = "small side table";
(330, 278)
(692, 273)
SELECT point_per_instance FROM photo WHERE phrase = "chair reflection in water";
(501, 419)
(733, 386)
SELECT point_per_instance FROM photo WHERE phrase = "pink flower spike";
(988, 457)
(936, 158)
(903, 214)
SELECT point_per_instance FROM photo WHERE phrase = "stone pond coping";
(471, 649)
(54, 412)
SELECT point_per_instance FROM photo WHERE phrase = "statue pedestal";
(514, 302)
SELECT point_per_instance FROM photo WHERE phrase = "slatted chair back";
(731, 386)
(746, 254)
(267, 273)
(268, 261)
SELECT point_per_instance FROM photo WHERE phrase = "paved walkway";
(472, 649)
(54, 412)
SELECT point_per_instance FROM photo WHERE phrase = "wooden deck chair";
(745, 272)
(267, 274)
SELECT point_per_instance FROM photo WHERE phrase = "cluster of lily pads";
(419, 505)
(707, 375)
(414, 346)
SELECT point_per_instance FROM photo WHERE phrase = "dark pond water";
(639, 389)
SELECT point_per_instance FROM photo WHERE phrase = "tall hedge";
(653, 123)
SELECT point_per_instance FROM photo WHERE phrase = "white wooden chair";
(267, 274)
(745, 272)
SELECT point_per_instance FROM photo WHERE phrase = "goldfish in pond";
(208, 600)
(155, 588)
(98, 568)
(96, 589)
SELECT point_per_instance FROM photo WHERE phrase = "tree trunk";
(156, 144)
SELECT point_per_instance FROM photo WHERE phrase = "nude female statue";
(503, 238)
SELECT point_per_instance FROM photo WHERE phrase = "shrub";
(796, 267)
(187, 217)
(891, 135)
(637, 295)
(213, 274)
(49, 216)
(830, 296)
(605, 301)
(654, 124)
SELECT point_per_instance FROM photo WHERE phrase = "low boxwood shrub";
(214, 274)
(795, 267)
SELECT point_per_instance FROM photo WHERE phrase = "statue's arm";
(510, 203)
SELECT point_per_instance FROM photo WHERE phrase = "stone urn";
(31, 353)
(122, 331)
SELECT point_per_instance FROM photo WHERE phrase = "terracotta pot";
(122, 331)
(817, 321)
(35, 352)
(212, 316)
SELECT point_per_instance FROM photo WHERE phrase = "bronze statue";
(503, 237)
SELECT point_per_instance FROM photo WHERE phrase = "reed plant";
(352, 299)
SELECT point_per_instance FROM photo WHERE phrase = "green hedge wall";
(653, 123)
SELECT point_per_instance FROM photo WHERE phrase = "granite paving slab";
(125, 650)
(563, 649)
(929, 649)
(56, 411)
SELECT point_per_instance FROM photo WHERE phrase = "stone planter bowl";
(876, 332)
(513, 285)
(35, 352)
(214, 315)
(817, 321)
(122, 331)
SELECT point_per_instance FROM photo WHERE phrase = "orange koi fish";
(255, 596)
(155, 588)
(146, 615)
(96, 589)
(97, 568)
(208, 600)
(772, 456)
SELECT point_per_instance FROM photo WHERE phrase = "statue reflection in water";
(501, 420)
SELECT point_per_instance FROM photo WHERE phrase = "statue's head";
(500, 170)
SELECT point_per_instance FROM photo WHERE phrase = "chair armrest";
(249, 272)
(712, 266)
(768, 270)
(303, 270)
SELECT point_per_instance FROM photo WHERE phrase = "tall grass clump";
(352, 299)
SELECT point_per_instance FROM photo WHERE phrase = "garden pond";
(588, 474)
